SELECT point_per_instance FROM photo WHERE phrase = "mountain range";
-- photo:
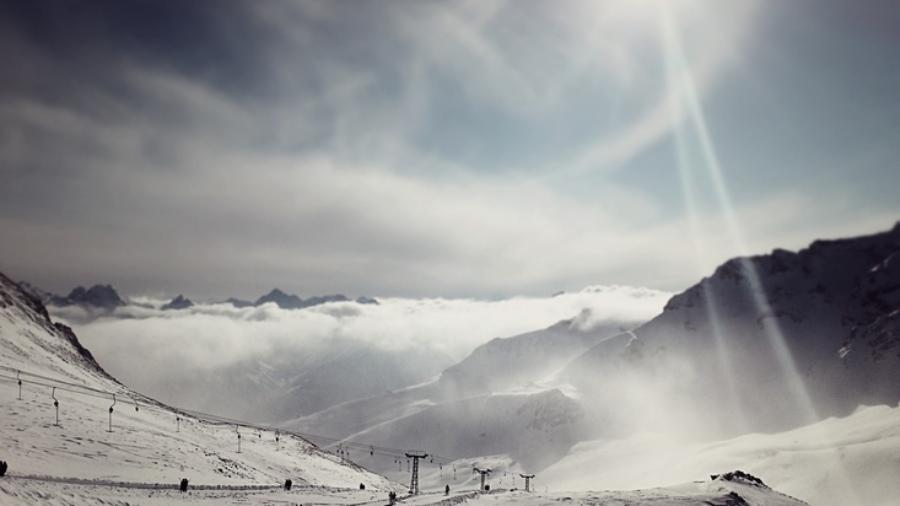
(780, 344)
(765, 344)
(106, 298)
(99, 442)
(64, 416)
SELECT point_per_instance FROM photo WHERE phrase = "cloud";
(306, 146)
(450, 326)
(192, 357)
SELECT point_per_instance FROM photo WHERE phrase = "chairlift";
(111, 412)
(55, 405)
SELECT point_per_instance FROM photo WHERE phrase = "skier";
(446, 489)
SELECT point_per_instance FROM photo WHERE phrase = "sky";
(479, 149)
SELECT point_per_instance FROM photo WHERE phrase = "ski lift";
(20, 384)
(55, 405)
(111, 412)
(237, 428)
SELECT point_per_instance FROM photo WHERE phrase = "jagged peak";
(179, 302)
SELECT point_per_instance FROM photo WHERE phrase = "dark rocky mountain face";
(766, 343)
(98, 296)
(281, 299)
(238, 303)
(179, 302)
(28, 307)
(291, 301)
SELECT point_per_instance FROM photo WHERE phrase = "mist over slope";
(501, 399)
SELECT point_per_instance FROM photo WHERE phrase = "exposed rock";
(98, 296)
(179, 302)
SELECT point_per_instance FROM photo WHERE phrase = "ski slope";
(73, 436)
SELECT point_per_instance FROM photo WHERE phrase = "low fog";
(179, 355)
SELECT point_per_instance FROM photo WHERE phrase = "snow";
(138, 441)
(137, 452)
(836, 462)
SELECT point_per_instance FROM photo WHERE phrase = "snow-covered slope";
(107, 432)
(836, 462)
(102, 444)
(526, 359)
(497, 400)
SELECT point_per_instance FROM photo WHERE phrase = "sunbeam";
(685, 164)
(711, 163)
(683, 94)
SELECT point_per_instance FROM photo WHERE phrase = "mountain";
(498, 400)
(281, 299)
(523, 360)
(239, 303)
(101, 432)
(766, 343)
(106, 297)
(291, 301)
(98, 296)
(179, 302)
(102, 443)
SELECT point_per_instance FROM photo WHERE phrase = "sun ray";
(685, 164)
(683, 94)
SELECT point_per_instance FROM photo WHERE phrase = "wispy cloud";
(474, 148)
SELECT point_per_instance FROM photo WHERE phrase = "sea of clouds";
(145, 347)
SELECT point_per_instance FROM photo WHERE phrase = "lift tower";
(414, 483)
(483, 473)
(528, 478)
